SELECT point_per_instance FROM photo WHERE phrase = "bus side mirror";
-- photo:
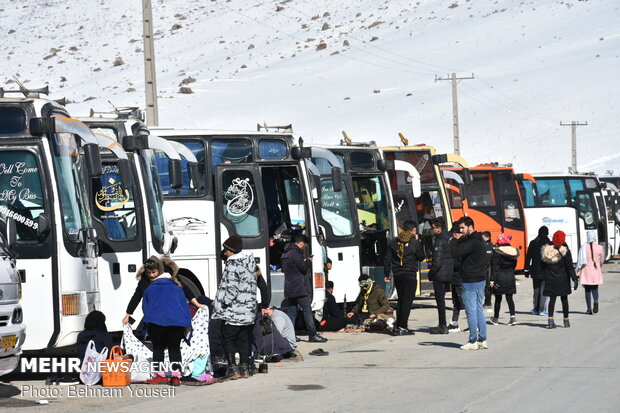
(124, 171)
(175, 173)
(194, 173)
(44, 224)
(11, 233)
(337, 179)
(92, 157)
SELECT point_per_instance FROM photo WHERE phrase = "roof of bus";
(561, 175)
(480, 168)
(432, 149)
(188, 132)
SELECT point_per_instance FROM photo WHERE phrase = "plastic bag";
(90, 372)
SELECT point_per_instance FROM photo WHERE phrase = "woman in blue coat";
(167, 316)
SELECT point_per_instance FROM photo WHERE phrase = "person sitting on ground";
(95, 330)
(371, 303)
(333, 315)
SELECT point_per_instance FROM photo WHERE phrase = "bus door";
(588, 212)
(337, 218)
(512, 219)
(604, 233)
(240, 210)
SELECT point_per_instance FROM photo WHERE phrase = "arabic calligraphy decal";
(240, 197)
(111, 197)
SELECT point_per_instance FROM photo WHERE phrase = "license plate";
(8, 341)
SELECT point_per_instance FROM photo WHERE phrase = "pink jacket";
(588, 274)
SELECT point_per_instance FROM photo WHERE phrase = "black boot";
(232, 370)
(244, 372)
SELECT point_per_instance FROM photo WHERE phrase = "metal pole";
(573, 125)
(455, 116)
(152, 116)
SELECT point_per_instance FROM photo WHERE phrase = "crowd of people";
(464, 262)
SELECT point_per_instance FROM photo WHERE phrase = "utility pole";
(455, 107)
(150, 84)
(573, 126)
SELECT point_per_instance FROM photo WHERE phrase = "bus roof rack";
(286, 128)
(125, 112)
(348, 142)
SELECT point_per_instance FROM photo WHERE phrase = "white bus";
(367, 208)
(570, 203)
(253, 184)
(44, 155)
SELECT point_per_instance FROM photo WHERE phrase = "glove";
(576, 284)
(527, 274)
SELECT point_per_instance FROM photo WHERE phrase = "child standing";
(503, 263)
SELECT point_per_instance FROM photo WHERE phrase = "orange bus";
(492, 199)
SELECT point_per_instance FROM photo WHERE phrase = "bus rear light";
(319, 280)
(74, 304)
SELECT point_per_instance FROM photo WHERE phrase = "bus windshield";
(193, 186)
(153, 193)
(335, 209)
(71, 185)
(371, 202)
(114, 204)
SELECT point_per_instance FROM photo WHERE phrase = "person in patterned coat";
(235, 304)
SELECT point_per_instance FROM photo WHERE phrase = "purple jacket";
(295, 268)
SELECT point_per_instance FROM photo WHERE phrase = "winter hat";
(544, 230)
(233, 244)
(154, 262)
(95, 321)
(558, 238)
(504, 238)
(590, 236)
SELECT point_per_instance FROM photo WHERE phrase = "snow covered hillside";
(364, 66)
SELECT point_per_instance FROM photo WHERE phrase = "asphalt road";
(527, 368)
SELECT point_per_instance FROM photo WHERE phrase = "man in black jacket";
(401, 259)
(297, 287)
(533, 268)
(468, 246)
(441, 271)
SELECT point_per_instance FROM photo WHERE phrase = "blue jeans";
(473, 297)
(306, 307)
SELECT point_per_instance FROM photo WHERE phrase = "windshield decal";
(110, 194)
(240, 197)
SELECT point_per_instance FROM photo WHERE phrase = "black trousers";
(405, 288)
(167, 338)
(441, 288)
(457, 302)
(498, 304)
(236, 339)
(215, 337)
(334, 323)
(551, 306)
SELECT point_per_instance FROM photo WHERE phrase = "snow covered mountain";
(366, 66)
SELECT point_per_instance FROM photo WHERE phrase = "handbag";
(117, 369)
(90, 372)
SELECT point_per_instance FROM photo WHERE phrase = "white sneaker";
(482, 345)
(470, 346)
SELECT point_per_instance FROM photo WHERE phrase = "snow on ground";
(367, 67)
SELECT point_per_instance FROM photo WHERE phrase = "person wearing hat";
(557, 267)
(236, 305)
(503, 263)
(297, 284)
(96, 330)
(371, 302)
(533, 268)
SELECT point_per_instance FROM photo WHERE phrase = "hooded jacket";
(533, 256)
(503, 263)
(377, 301)
(295, 268)
(442, 263)
(145, 281)
(402, 256)
(472, 253)
(235, 300)
(557, 268)
(96, 330)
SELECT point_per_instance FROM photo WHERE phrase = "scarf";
(582, 260)
(402, 240)
(365, 304)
